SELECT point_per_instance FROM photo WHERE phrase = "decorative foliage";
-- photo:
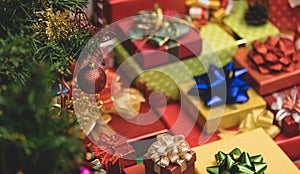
(33, 138)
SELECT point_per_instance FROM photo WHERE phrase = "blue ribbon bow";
(59, 89)
(221, 85)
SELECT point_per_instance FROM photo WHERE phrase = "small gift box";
(113, 152)
(221, 103)
(255, 142)
(217, 46)
(271, 79)
(155, 47)
(114, 10)
(237, 23)
(169, 154)
(286, 107)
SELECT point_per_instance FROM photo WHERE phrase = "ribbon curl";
(237, 162)
(220, 86)
(287, 105)
(170, 149)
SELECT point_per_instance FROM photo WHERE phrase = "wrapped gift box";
(266, 83)
(171, 169)
(149, 56)
(289, 145)
(217, 45)
(125, 127)
(178, 122)
(255, 142)
(236, 22)
(288, 125)
(222, 116)
(106, 148)
(115, 10)
(283, 16)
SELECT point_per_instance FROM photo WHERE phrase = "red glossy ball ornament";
(91, 80)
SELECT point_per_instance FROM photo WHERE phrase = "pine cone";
(257, 14)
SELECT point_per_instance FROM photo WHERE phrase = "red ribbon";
(291, 105)
(110, 149)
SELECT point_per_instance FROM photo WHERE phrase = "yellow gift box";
(223, 116)
(255, 142)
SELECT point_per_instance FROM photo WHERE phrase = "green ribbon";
(237, 162)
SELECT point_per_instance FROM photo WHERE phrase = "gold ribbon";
(170, 149)
(208, 4)
(255, 119)
(287, 105)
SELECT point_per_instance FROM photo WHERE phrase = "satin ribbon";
(110, 150)
(158, 29)
(287, 105)
(170, 149)
(237, 162)
(255, 119)
(219, 83)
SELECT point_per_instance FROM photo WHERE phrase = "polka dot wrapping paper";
(236, 21)
(218, 46)
(283, 16)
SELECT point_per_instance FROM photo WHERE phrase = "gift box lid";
(255, 142)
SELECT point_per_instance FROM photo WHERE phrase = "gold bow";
(170, 149)
(255, 119)
(287, 105)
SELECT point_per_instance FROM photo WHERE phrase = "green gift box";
(218, 46)
(237, 23)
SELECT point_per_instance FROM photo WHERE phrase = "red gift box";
(149, 56)
(266, 83)
(172, 168)
(115, 10)
(283, 16)
(290, 145)
(113, 152)
(289, 126)
(125, 127)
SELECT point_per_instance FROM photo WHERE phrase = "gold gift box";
(222, 116)
(255, 142)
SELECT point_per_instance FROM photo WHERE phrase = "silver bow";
(170, 149)
(282, 111)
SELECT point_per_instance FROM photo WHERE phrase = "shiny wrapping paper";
(236, 22)
(115, 10)
(172, 168)
(217, 46)
(266, 83)
(149, 56)
(288, 125)
(231, 116)
(256, 142)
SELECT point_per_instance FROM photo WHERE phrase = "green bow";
(237, 162)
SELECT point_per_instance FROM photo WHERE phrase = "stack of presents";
(221, 82)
